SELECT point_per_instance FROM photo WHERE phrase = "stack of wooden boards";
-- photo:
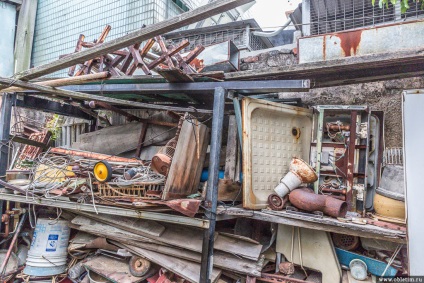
(174, 247)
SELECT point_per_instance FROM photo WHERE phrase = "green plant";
(404, 4)
(54, 126)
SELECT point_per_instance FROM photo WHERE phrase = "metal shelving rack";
(206, 94)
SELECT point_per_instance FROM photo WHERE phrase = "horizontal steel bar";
(46, 105)
(195, 222)
(243, 87)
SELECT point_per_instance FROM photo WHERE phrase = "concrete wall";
(383, 95)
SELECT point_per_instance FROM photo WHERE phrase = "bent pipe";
(306, 199)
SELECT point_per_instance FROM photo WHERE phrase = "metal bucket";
(290, 182)
(48, 252)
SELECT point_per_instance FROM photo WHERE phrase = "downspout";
(274, 33)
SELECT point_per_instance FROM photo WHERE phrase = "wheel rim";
(101, 171)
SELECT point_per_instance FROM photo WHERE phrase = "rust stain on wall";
(349, 42)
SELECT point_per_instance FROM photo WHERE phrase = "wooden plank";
(146, 33)
(331, 225)
(67, 81)
(184, 268)
(187, 163)
(175, 75)
(141, 139)
(220, 259)
(137, 226)
(173, 235)
(231, 156)
(25, 35)
(103, 230)
(237, 245)
(228, 190)
(6, 82)
(120, 138)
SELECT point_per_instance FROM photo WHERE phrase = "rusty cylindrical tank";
(306, 199)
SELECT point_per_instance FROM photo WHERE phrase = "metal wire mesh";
(59, 23)
(335, 15)
(237, 35)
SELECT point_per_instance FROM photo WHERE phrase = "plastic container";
(48, 252)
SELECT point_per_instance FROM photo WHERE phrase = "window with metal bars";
(337, 15)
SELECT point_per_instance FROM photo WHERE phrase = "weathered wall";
(382, 95)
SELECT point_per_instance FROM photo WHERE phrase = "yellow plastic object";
(102, 171)
(389, 208)
(45, 173)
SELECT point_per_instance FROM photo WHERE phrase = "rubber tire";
(109, 171)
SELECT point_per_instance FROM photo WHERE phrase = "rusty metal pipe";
(306, 199)
(12, 244)
(343, 198)
(335, 191)
(92, 155)
(333, 127)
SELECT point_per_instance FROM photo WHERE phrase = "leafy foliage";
(54, 126)
(404, 4)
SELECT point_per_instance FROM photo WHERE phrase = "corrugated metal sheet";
(59, 23)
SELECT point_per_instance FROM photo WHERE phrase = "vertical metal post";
(5, 117)
(7, 100)
(212, 187)
(320, 130)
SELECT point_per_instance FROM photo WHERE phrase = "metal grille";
(415, 11)
(336, 15)
(237, 36)
(59, 23)
(241, 36)
(256, 43)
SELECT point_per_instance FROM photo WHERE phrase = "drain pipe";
(273, 33)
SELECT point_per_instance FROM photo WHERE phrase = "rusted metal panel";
(360, 42)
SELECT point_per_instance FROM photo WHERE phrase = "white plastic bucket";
(290, 182)
(48, 251)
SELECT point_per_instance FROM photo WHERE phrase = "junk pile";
(165, 181)
(156, 56)
(91, 248)
(300, 194)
